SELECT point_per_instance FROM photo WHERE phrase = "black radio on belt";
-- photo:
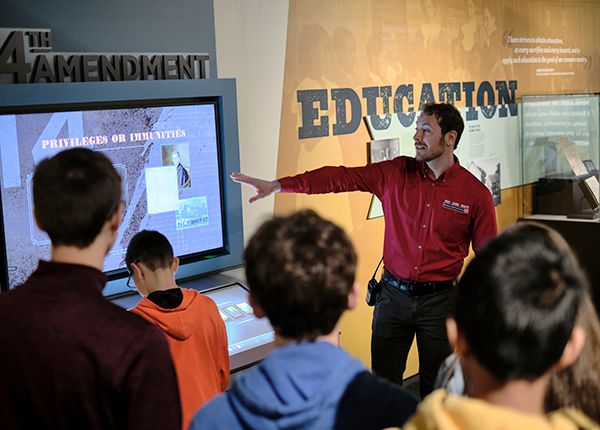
(372, 291)
(373, 288)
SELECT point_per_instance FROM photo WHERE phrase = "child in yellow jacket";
(514, 323)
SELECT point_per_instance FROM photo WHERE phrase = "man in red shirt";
(434, 209)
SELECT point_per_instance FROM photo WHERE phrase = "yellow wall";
(393, 43)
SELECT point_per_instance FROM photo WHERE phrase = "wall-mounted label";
(26, 57)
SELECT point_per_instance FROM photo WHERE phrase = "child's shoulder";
(198, 297)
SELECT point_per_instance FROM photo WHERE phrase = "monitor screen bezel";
(30, 98)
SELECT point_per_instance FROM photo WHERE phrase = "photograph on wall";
(178, 156)
(385, 149)
(381, 150)
(488, 172)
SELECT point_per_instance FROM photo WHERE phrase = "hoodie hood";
(176, 322)
(442, 411)
(296, 386)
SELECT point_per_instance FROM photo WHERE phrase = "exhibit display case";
(560, 157)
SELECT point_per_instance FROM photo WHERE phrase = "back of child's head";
(518, 300)
(300, 270)
(150, 248)
(74, 194)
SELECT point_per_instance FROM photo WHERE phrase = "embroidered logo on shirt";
(458, 207)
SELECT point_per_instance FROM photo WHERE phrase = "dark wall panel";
(119, 26)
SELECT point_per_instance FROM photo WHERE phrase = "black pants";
(397, 318)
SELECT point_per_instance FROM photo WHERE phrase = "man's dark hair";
(300, 270)
(518, 300)
(448, 117)
(74, 194)
(151, 248)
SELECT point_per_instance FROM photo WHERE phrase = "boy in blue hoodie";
(300, 271)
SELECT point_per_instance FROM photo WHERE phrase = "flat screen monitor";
(249, 338)
(174, 145)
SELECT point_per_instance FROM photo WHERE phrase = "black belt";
(417, 288)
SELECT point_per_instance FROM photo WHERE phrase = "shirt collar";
(452, 172)
(66, 273)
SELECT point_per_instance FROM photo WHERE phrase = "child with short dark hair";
(194, 328)
(300, 271)
(515, 322)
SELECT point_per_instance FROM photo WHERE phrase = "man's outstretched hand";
(263, 188)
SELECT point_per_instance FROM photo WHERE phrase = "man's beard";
(433, 153)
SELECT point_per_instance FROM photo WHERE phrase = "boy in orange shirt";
(195, 330)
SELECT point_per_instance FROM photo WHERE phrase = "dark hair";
(448, 117)
(517, 302)
(300, 270)
(151, 248)
(578, 385)
(74, 194)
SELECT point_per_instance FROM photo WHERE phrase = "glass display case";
(560, 157)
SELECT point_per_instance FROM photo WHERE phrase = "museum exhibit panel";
(317, 66)
(559, 152)
(174, 143)
(559, 162)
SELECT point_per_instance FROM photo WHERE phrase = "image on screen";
(244, 330)
(167, 156)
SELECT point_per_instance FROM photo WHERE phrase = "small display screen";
(244, 330)
(167, 156)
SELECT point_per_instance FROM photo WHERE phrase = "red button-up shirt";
(429, 224)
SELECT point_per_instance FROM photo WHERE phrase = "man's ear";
(450, 138)
(257, 309)
(175, 265)
(572, 348)
(354, 295)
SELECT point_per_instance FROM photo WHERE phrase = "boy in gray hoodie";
(300, 271)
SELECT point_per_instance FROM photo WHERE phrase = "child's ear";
(137, 270)
(457, 341)
(117, 218)
(36, 220)
(354, 295)
(175, 265)
(254, 304)
(452, 331)
(572, 348)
